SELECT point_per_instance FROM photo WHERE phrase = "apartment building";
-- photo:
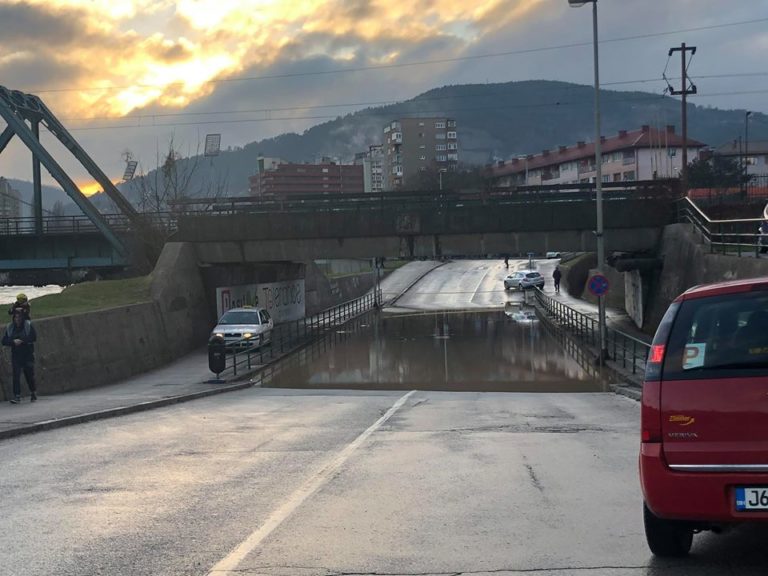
(413, 145)
(643, 154)
(754, 154)
(10, 200)
(284, 179)
(372, 162)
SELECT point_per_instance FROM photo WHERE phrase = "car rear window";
(719, 337)
(240, 317)
(533, 275)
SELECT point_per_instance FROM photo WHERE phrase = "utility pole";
(685, 90)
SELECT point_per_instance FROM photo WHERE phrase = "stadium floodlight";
(212, 144)
(130, 170)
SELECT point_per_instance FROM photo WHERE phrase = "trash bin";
(217, 355)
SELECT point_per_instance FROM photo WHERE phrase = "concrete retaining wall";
(688, 263)
(86, 350)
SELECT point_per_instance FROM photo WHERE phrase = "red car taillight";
(650, 412)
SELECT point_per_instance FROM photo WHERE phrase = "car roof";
(723, 288)
(244, 309)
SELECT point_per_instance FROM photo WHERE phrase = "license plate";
(755, 498)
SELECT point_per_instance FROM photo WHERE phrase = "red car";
(704, 418)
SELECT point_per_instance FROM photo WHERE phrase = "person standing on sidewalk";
(557, 275)
(20, 337)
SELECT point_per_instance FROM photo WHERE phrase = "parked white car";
(245, 327)
(523, 280)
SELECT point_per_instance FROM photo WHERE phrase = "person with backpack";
(20, 337)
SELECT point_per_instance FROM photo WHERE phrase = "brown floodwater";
(464, 351)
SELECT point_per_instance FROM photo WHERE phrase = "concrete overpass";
(428, 225)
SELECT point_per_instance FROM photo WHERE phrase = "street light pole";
(746, 147)
(598, 173)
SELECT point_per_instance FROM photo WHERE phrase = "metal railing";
(68, 225)
(626, 351)
(242, 356)
(736, 237)
(311, 203)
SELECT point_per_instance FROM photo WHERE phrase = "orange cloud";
(167, 52)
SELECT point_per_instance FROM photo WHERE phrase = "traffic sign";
(599, 285)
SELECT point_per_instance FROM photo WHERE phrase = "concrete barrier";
(687, 263)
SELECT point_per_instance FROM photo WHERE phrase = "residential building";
(372, 163)
(755, 154)
(644, 154)
(413, 145)
(10, 200)
(284, 179)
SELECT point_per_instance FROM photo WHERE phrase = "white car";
(553, 255)
(244, 327)
(524, 279)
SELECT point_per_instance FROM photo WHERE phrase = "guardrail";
(624, 350)
(736, 237)
(242, 357)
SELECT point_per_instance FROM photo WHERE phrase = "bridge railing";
(446, 199)
(246, 355)
(624, 350)
(81, 224)
(737, 237)
(303, 203)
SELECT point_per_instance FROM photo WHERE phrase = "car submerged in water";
(244, 327)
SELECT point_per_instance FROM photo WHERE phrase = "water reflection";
(487, 351)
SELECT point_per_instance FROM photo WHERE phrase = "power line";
(149, 116)
(419, 112)
(518, 52)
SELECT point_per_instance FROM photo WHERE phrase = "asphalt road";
(281, 482)
(463, 284)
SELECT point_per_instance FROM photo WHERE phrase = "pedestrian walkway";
(185, 379)
(616, 319)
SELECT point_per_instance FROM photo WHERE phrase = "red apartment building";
(325, 178)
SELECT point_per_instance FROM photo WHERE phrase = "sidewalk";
(616, 319)
(182, 380)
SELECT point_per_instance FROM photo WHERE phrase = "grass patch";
(90, 296)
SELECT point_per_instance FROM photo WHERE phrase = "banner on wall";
(283, 300)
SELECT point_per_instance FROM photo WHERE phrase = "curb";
(120, 411)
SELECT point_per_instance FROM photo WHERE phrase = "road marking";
(229, 564)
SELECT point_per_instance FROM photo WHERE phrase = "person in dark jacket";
(557, 275)
(20, 337)
(21, 305)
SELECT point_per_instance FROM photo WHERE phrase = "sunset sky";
(129, 74)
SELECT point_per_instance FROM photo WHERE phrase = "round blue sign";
(598, 285)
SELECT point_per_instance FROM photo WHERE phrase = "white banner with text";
(283, 300)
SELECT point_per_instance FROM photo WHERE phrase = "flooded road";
(452, 351)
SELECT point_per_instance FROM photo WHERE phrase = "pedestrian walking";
(557, 275)
(21, 305)
(20, 337)
(763, 231)
(506, 261)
